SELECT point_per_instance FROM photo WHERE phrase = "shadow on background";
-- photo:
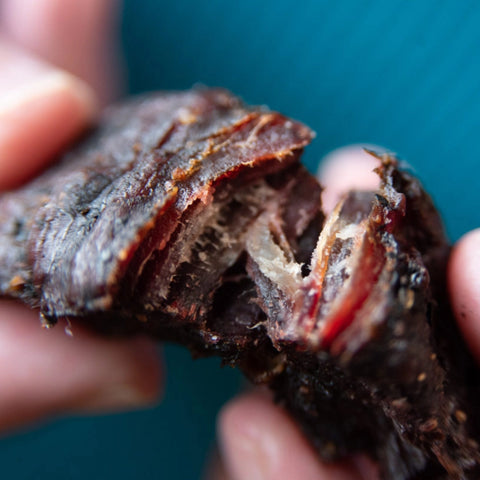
(355, 71)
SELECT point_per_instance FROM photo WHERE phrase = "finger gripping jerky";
(187, 216)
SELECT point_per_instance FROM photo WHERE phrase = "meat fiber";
(187, 216)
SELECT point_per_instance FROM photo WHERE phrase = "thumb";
(345, 169)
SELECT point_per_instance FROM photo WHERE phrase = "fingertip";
(464, 287)
(243, 432)
(41, 110)
(260, 442)
(344, 169)
(138, 383)
(50, 373)
(77, 36)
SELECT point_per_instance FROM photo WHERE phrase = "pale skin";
(43, 108)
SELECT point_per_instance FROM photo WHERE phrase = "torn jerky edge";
(187, 216)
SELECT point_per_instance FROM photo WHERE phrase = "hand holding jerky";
(188, 216)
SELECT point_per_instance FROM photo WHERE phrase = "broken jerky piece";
(187, 216)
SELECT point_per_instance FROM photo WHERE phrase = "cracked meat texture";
(187, 216)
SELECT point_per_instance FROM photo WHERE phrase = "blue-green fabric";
(405, 75)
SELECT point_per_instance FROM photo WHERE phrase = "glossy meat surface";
(187, 216)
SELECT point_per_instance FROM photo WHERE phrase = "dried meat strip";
(188, 216)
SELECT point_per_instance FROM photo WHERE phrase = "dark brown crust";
(188, 217)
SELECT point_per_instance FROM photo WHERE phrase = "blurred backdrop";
(405, 75)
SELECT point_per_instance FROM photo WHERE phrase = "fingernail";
(252, 438)
(351, 155)
(254, 455)
(43, 86)
(26, 78)
(42, 109)
(347, 168)
(260, 442)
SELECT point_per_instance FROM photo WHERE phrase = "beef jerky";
(187, 216)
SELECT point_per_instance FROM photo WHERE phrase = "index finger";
(41, 109)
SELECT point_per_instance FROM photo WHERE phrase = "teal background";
(401, 74)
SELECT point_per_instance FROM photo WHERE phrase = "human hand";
(50, 373)
(258, 440)
(42, 108)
